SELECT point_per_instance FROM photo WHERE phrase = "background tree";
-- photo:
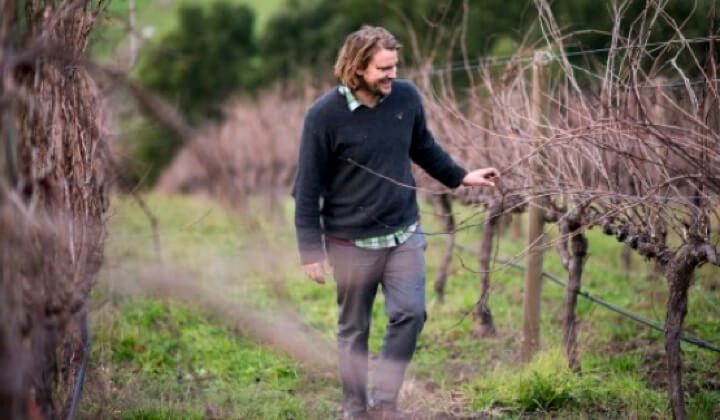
(210, 56)
(201, 63)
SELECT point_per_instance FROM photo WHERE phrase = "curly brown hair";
(357, 51)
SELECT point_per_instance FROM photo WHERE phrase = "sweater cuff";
(309, 255)
(457, 177)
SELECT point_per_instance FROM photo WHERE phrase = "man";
(355, 204)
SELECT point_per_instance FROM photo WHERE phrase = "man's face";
(381, 71)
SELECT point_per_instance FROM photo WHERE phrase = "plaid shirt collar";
(352, 102)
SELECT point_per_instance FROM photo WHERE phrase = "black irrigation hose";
(83, 368)
(654, 325)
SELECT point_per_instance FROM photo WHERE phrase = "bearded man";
(355, 206)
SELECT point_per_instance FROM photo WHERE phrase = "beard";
(374, 87)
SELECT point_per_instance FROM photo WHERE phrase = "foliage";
(305, 36)
(152, 149)
(155, 19)
(197, 67)
(206, 59)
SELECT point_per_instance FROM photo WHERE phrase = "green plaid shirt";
(386, 241)
(383, 241)
(352, 101)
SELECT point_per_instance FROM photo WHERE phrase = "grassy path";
(163, 358)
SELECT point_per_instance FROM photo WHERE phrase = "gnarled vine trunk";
(578, 252)
(444, 206)
(679, 272)
(52, 201)
(486, 326)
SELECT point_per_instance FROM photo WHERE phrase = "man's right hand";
(316, 271)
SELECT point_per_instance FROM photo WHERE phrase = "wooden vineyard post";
(536, 222)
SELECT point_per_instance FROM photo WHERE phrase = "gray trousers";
(358, 272)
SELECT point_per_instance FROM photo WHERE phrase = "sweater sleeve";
(429, 155)
(309, 187)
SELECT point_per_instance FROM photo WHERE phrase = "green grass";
(171, 360)
(167, 359)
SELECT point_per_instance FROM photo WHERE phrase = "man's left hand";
(481, 177)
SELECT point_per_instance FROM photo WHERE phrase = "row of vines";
(625, 140)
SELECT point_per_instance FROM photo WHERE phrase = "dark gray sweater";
(355, 202)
